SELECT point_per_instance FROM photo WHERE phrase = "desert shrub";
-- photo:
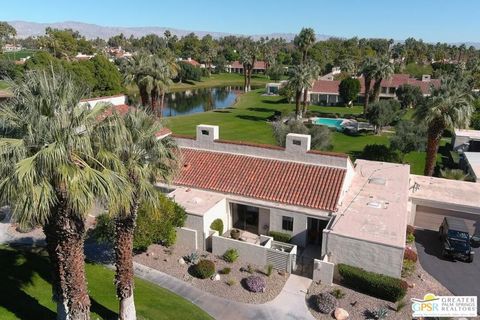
(410, 238)
(250, 269)
(204, 269)
(226, 270)
(325, 302)
(409, 254)
(280, 236)
(408, 268)
(231, 282)
(378, 314)
(337, 293)
(217, 225)
(255, 284)
(231, 255)
(269, 270)
(192, 258)
(374, 284)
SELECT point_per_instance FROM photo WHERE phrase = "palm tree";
(368, 70)
(299, 80)
(138, 71)
(245, 61)
(449, 107)
(304, 41)
(51, 174)
(314, 71)
(146, 159)
(383, 70)
(163, 70)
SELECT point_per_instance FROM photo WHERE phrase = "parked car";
(475, 240)
(455, 239)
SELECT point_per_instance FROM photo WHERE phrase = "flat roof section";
(449, 194)
(194, 201)
(375, 207)
(472, 134)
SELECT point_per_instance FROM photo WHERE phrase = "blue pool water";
(329, 122)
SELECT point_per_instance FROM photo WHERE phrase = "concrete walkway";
(289, 304)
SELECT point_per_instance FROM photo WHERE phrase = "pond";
(200, 100)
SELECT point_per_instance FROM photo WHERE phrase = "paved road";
(461, 278)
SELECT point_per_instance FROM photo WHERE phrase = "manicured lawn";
(26, 292)
(247, 121)
(18, 55)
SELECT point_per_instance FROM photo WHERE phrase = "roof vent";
(377, 180)
(375, 204)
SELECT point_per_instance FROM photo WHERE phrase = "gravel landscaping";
(355, 303)
(231, 286)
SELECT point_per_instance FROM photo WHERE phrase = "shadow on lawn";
(251, 118)
(17, 270)
(260, 109)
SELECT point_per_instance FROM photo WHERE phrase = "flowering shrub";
(325, 302)
(410, 254)
(255, 284)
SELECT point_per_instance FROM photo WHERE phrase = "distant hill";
(91, 31)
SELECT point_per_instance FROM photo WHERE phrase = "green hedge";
(280, 236)
(374, 284)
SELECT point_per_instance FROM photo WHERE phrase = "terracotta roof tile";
(258, 65)
(285, 182)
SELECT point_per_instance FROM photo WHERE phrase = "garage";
(430, 218)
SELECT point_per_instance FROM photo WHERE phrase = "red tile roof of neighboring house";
(163, 132)
(258, 65)
(331, 87)
(292, 183)
(193, 62)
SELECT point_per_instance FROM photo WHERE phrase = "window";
(287, 223)
(205, 132)
(297, 142)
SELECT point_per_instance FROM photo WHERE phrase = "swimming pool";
(329, 122)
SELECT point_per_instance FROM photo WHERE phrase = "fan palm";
(52, 175)
(300, 79)
(449, 107)
(146, 159)
(161, 74)
(304, 41)
(383, 70)
(314, 70)
(138, 71)
(368, 71)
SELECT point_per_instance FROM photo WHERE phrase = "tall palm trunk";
(433, 140)
(143, 96)
(249, 80)
(305, 102)
(368, 82)
(298, 96)
(154, 100)
(124, 231)
(376, 89)
(245, 78)
(65, 232)
(162, 103)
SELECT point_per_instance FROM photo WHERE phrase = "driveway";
(461, 278)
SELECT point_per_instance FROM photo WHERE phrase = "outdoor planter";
(235, 234)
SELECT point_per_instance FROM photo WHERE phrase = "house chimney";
(426, 78)
(207, 133)
(297, 142)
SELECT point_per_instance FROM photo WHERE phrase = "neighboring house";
(334, 211)
(11, 48)
(119, 53)
(470, 162)
(237, 67)
(80, 56)
(325, 90)
(466, 140)
(192, 62)
(273, 88)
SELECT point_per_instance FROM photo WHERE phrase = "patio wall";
(323, 271)
(195, 223)
(187, 238)
(371, 256)
(249, 252)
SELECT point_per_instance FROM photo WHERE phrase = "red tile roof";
(193, 62)
(331, 87)
(258, 65)
(292, 183)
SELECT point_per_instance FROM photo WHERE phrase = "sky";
(430, 20)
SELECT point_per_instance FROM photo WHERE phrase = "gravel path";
(166, 260)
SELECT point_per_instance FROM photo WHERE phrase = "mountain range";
(91, 31)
